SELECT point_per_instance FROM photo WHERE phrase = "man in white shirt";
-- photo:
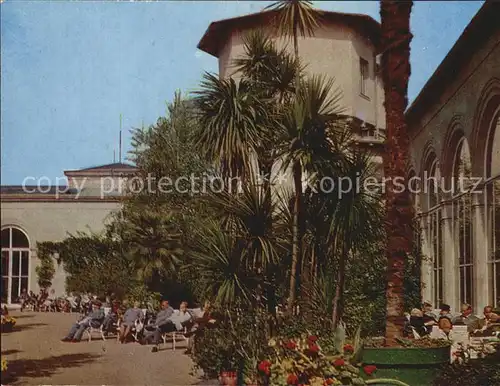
(176, 322)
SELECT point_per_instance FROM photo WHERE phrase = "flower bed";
(301, 361)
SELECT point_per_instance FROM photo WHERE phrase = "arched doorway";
(15, 264)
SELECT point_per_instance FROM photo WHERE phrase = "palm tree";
(396, 37)
(355, 214)
(220, 267)
(236, 254)
(272, 73)
(231, 118)
(150, 236)
(296, 17)
(307, 148)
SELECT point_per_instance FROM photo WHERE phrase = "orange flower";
(328, 381)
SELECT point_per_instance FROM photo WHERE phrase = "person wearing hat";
(94, 319)
(429, 317)
(445, 318)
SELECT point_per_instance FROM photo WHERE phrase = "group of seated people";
(152, 327)
(422, 321)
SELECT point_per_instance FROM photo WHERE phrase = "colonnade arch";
(461, 221)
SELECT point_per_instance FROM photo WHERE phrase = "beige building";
(343, 48)
(37, 213)
(453, 125)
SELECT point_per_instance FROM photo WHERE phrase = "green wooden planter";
(414, 366)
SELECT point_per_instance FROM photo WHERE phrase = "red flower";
(348, 348)
(328, 381)
(312, 338)
(339, 362)
(292, 379)
(291, 345)
(313, 347)
(370, 369)
(265, 367)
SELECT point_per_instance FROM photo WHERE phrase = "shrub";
(238, 342)
(477, 372)
(302, 361)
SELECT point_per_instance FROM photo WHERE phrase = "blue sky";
(69, 69)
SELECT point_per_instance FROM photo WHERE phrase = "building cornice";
(482, 26)
(53, 198)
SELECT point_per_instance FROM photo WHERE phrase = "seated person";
(129, 318)
(445, 312)
(161, 318)
(428, 314)
(111, 319)
(486, 325)
(93, 319)
(23, 299)
(201, 318)
(417, 322)
(467, 318)
(445, 318)
(489, 316)
(176, 322)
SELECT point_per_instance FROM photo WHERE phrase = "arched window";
(413, 186)
(15, 264)
(432, 178)
(462, 220)
(433, 217)
(493, 207)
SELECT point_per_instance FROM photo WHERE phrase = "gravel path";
(36, 356)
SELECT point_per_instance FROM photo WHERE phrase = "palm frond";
(230, 116)
(296, 17)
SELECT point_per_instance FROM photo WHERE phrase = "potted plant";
(8, 323)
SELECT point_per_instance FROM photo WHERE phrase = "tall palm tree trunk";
(396, 37)
(297, 237)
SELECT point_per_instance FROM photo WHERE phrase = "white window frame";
(10, 254)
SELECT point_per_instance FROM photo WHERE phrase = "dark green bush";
(239, 341)
(476, 372)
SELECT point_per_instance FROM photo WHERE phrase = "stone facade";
(51, 217)
(453, 122)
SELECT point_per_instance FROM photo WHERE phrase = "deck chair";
(174, 335)
(98, 329)
(95, 330)
(137, 329)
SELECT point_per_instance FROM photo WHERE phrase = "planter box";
(414, 366)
